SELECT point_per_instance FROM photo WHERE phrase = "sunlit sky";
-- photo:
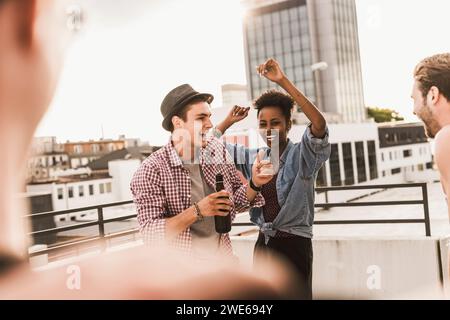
(131, 53)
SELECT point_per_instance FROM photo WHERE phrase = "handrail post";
(426, 210)
(326, 201)
(101, 226)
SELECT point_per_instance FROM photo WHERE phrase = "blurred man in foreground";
(431, 95)
(33, 35)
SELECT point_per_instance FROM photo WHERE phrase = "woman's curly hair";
(275, 98)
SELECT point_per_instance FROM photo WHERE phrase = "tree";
(383, 115)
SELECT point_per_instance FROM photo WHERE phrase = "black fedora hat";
(177, 99)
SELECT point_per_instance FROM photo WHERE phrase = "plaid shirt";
(161, 188)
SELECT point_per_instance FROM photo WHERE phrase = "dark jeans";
(298, 252)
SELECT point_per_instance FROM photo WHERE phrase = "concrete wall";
(370, 268)
(122, 172)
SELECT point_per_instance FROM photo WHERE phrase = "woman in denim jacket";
(287, 218)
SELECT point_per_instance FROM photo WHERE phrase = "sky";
(129, 54)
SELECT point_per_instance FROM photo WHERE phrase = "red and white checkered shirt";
(161, 188)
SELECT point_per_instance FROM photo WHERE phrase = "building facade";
(299, 34)
(82, 153)
(47, 157)
(88, 188)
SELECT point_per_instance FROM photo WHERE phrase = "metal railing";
(102, 237)
(327, 205)
(100, 222)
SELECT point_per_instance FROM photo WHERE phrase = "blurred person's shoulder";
(442, 157)
(442, 141)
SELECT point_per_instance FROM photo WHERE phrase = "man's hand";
(258, 178)
(216, 204)
(271, 70)
(236, 114)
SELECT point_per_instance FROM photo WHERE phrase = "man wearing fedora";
(174, 188)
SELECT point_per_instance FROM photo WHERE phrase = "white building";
(234, 94)
(84, 190)
(47, 157)
(46, 166)
(405, 151)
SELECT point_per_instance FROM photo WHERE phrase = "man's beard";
(429, 132)
(430, 124)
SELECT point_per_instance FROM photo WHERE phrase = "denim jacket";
(298, 167)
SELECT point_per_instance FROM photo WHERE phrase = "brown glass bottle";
(222, 223)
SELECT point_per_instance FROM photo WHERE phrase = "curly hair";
(275, 98)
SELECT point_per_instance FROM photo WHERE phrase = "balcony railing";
(101, 239)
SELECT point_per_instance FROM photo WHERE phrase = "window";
(267, 20)
(95, 148)
(293, 14)
(91, 189)
(260, 50)
(407, 153)
(288, 61)
(429, 165)
(420, 167)
(275, 18)
(373, 167)
(70, 191)
(284, 16)
(60, 193)
(396, 171)
(348, 164)
(286, 33)
(295, 29)
(102, 188)
(360, 161)
(108, 187)
(289, 73)
(334, 166)
(78, 149)
(296, 43)
(81, 191)
(276, 31)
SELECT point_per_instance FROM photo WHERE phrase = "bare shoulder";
(443, 151)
